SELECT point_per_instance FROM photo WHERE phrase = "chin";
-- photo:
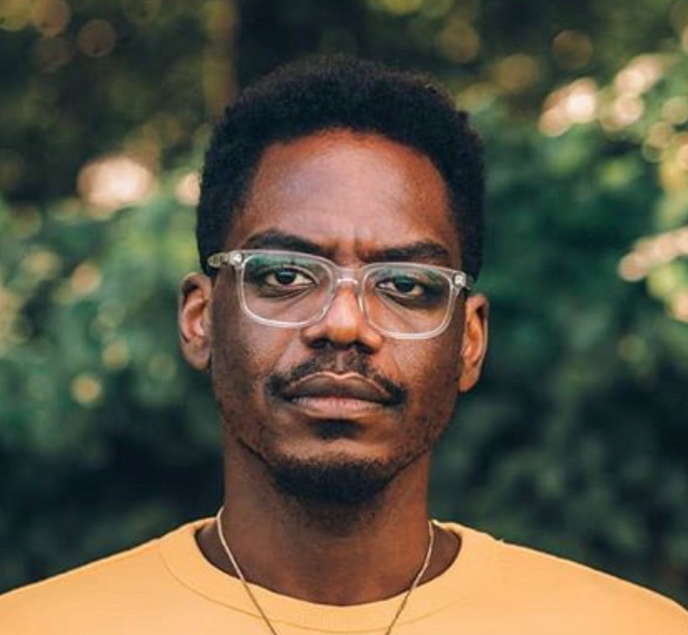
(339, 480)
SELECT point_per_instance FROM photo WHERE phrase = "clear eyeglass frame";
(237, 259)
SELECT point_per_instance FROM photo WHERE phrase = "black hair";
(338, 92)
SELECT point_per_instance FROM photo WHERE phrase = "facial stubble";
(334, 489)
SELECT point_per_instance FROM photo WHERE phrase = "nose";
(344, 323)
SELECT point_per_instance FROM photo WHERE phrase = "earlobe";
(194, 320)
(474, 344)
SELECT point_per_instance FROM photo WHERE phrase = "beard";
(342, 482)
(338, 480)
(336, 491)
(338, 495)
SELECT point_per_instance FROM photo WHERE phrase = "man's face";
(337, 397)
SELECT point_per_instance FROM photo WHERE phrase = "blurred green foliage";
(575, 440)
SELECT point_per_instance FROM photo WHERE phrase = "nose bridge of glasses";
(344, 275)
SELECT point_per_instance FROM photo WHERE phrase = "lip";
(330, 385)
(335, 396)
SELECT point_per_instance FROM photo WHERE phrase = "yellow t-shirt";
(166, 587)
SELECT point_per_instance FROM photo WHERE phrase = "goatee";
(345, 483)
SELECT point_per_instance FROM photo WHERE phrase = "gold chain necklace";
(259, 608)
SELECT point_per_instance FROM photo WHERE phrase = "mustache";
(277, 383)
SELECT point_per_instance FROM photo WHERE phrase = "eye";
(402, 285)
(287, 277)
(412, 287)
(279, 278)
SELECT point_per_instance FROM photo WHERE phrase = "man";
(339, 232)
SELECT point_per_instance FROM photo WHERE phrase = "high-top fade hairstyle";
(329, 93)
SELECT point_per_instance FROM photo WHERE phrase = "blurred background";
(575, 442)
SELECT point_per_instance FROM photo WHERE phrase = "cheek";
(431, 374)
(244, 356)
(236, 365)
(236, 360)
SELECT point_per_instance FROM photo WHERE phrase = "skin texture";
(350, 196)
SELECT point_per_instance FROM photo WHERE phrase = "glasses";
(287, 289)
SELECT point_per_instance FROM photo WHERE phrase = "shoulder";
(527, 581)
(73, 591)
(69, 602)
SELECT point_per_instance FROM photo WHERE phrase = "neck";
(330, 554)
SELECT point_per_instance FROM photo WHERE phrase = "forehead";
(350, 193)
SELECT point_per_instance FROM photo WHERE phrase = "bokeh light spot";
(572, 49)
(678, 307)
(96, 38)
(517, 73)
(86, 389)
(113, 181)
(85, 279)
(51, 17)
(682, 156)
(569, 105)
(652, 252)
(15, 14)
(188, 189)
(675, 110)
(632, 267)
(116, 355)
(639, 75)
(42, 264)
(11, 305)
(660, 135)
(458, 41)
(625, 110)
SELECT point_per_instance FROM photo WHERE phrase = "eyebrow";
(273, 239)
(419, 251)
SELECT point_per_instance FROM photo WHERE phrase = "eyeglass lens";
(295, 289)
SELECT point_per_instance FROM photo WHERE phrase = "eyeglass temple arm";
(220, 259)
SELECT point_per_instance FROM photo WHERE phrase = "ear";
(194, 319)
(474, 344)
